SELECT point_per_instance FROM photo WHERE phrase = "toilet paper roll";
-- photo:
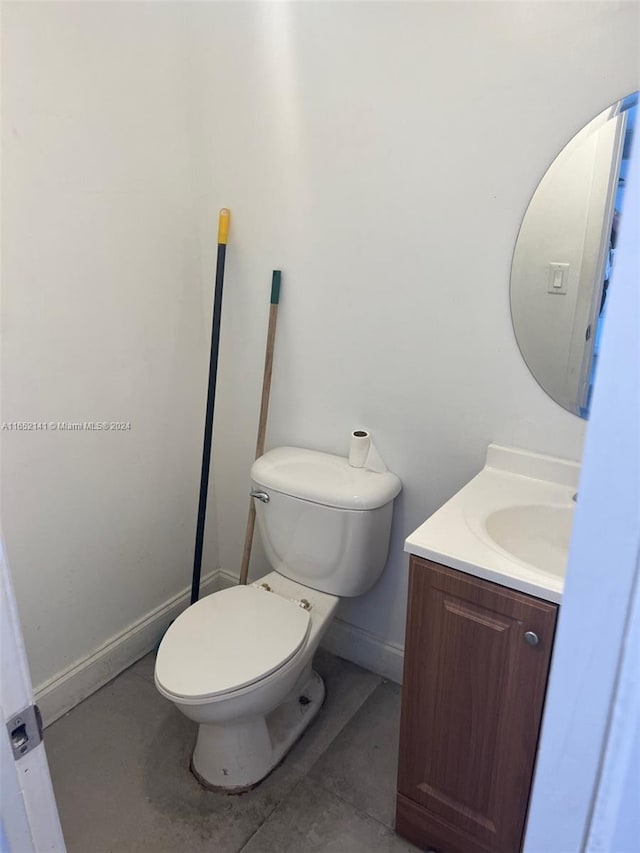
(363, 452)
(358, 448)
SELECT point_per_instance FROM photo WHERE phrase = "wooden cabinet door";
(471, 708)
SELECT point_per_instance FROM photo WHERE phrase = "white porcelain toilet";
(238, 662)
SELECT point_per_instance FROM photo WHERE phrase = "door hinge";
(25, 731)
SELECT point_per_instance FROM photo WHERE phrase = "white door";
(585, 792)
(30, 822)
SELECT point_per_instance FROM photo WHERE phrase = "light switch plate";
(558, 278)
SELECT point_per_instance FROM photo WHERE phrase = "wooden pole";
(264, 411)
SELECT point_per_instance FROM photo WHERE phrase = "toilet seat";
(229, 640)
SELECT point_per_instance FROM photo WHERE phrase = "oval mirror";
(565, 253)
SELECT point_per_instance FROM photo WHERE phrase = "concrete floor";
(120, 769)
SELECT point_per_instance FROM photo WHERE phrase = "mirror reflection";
(565, 255)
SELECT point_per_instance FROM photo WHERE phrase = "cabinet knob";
(531, 637)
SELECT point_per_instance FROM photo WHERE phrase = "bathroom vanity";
(485, 582)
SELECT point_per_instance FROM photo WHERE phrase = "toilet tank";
(322, 522)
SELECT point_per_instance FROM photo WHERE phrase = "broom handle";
(264, 411)
(223, 234)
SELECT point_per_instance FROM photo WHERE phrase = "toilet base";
(233, 758)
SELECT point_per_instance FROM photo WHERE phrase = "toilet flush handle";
(261, 496)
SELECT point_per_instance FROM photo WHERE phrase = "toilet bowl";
(239, 662)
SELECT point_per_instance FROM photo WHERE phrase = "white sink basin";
(510, 525)
(537, 534)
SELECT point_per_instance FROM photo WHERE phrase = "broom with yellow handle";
(223, 233)
(264, 411)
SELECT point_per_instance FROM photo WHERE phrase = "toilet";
(239, 661)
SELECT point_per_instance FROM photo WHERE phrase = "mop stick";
(223, 232)
(264, 411)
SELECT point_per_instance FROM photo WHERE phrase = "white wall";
(382, 155)
(104, 317)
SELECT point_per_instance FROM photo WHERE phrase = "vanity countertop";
(456, 535)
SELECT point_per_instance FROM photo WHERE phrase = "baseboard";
(226, 579)
(66, 689)
(368, 651)
(352, 643)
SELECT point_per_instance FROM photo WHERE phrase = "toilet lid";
(228, 640)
